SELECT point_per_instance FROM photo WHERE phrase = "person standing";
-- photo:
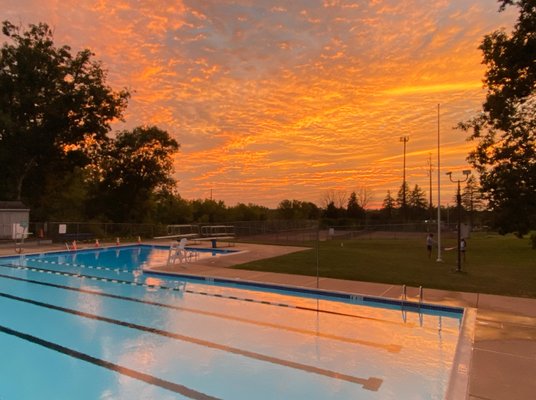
(463, 246)
(429, 244)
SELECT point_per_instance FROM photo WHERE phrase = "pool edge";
(410, 305)
(458, 387)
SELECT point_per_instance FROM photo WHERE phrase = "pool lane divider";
(150, 379)
(369, 300)
(97, 267)
(392, 348)
(371, 383)
(180, 289)
(140, 284)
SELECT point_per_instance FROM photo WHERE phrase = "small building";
(14, 220)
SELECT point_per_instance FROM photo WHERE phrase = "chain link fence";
(282, 232)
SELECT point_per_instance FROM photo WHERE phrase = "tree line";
(59, 156)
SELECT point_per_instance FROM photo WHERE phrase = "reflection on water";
(234, 341)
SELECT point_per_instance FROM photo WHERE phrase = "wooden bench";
(214, 239)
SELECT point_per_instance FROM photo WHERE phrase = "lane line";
(150, 379)
(316, 310)
(392, 348)
(371, 383)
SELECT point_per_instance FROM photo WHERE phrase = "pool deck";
(504, 351)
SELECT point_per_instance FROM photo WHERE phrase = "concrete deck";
(504, 351)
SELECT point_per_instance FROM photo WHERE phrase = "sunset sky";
(274, 100)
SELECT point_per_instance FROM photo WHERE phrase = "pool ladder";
(405, 298)
(405, 294)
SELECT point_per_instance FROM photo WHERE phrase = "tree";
(249, 212)
(209, 210)
(285, 210)
(333, 212)
(137, 165)
(511, 71)
(51, 102)
(354, 209)
(471, 198)
(364, 197)
(403, 193)
(295, 209)
(417, 202)
(505, 155)
(388, 205)
(338, 198)
(171, 208)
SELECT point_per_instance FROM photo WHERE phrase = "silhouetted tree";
(170, 208)
(136, 166)
(472, 200)
(52, 103)
(250, 212)
(209, 211)
(353, 209)
(295, 209)
(417, 202)
(505, 156)
(334, 212)
(364, 196)
(388, 205)
(403, 193)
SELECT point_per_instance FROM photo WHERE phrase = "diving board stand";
(229, 239)
(213, 233)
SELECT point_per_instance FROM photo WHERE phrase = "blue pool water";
(93, 325)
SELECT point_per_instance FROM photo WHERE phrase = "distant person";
(463, 246)
(429, 244)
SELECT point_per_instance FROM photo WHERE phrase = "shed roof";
(12, 205)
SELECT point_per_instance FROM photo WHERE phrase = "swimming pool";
(92, 325)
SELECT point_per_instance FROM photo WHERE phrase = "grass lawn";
(494, 264)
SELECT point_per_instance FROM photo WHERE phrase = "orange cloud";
(272, 102)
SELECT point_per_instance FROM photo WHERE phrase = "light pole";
(430, 178)
(438, 188)
(459, 206)
(404, 139)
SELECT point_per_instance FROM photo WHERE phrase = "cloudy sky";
(274, 100)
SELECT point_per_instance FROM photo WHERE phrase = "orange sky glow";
(274, 100)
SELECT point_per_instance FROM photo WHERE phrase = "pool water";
(92, 325)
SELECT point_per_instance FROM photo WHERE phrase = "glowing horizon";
(273, 101)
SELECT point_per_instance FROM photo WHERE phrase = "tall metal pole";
(404, 139)
(430, 176)
(459, 204)
(438, 190)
